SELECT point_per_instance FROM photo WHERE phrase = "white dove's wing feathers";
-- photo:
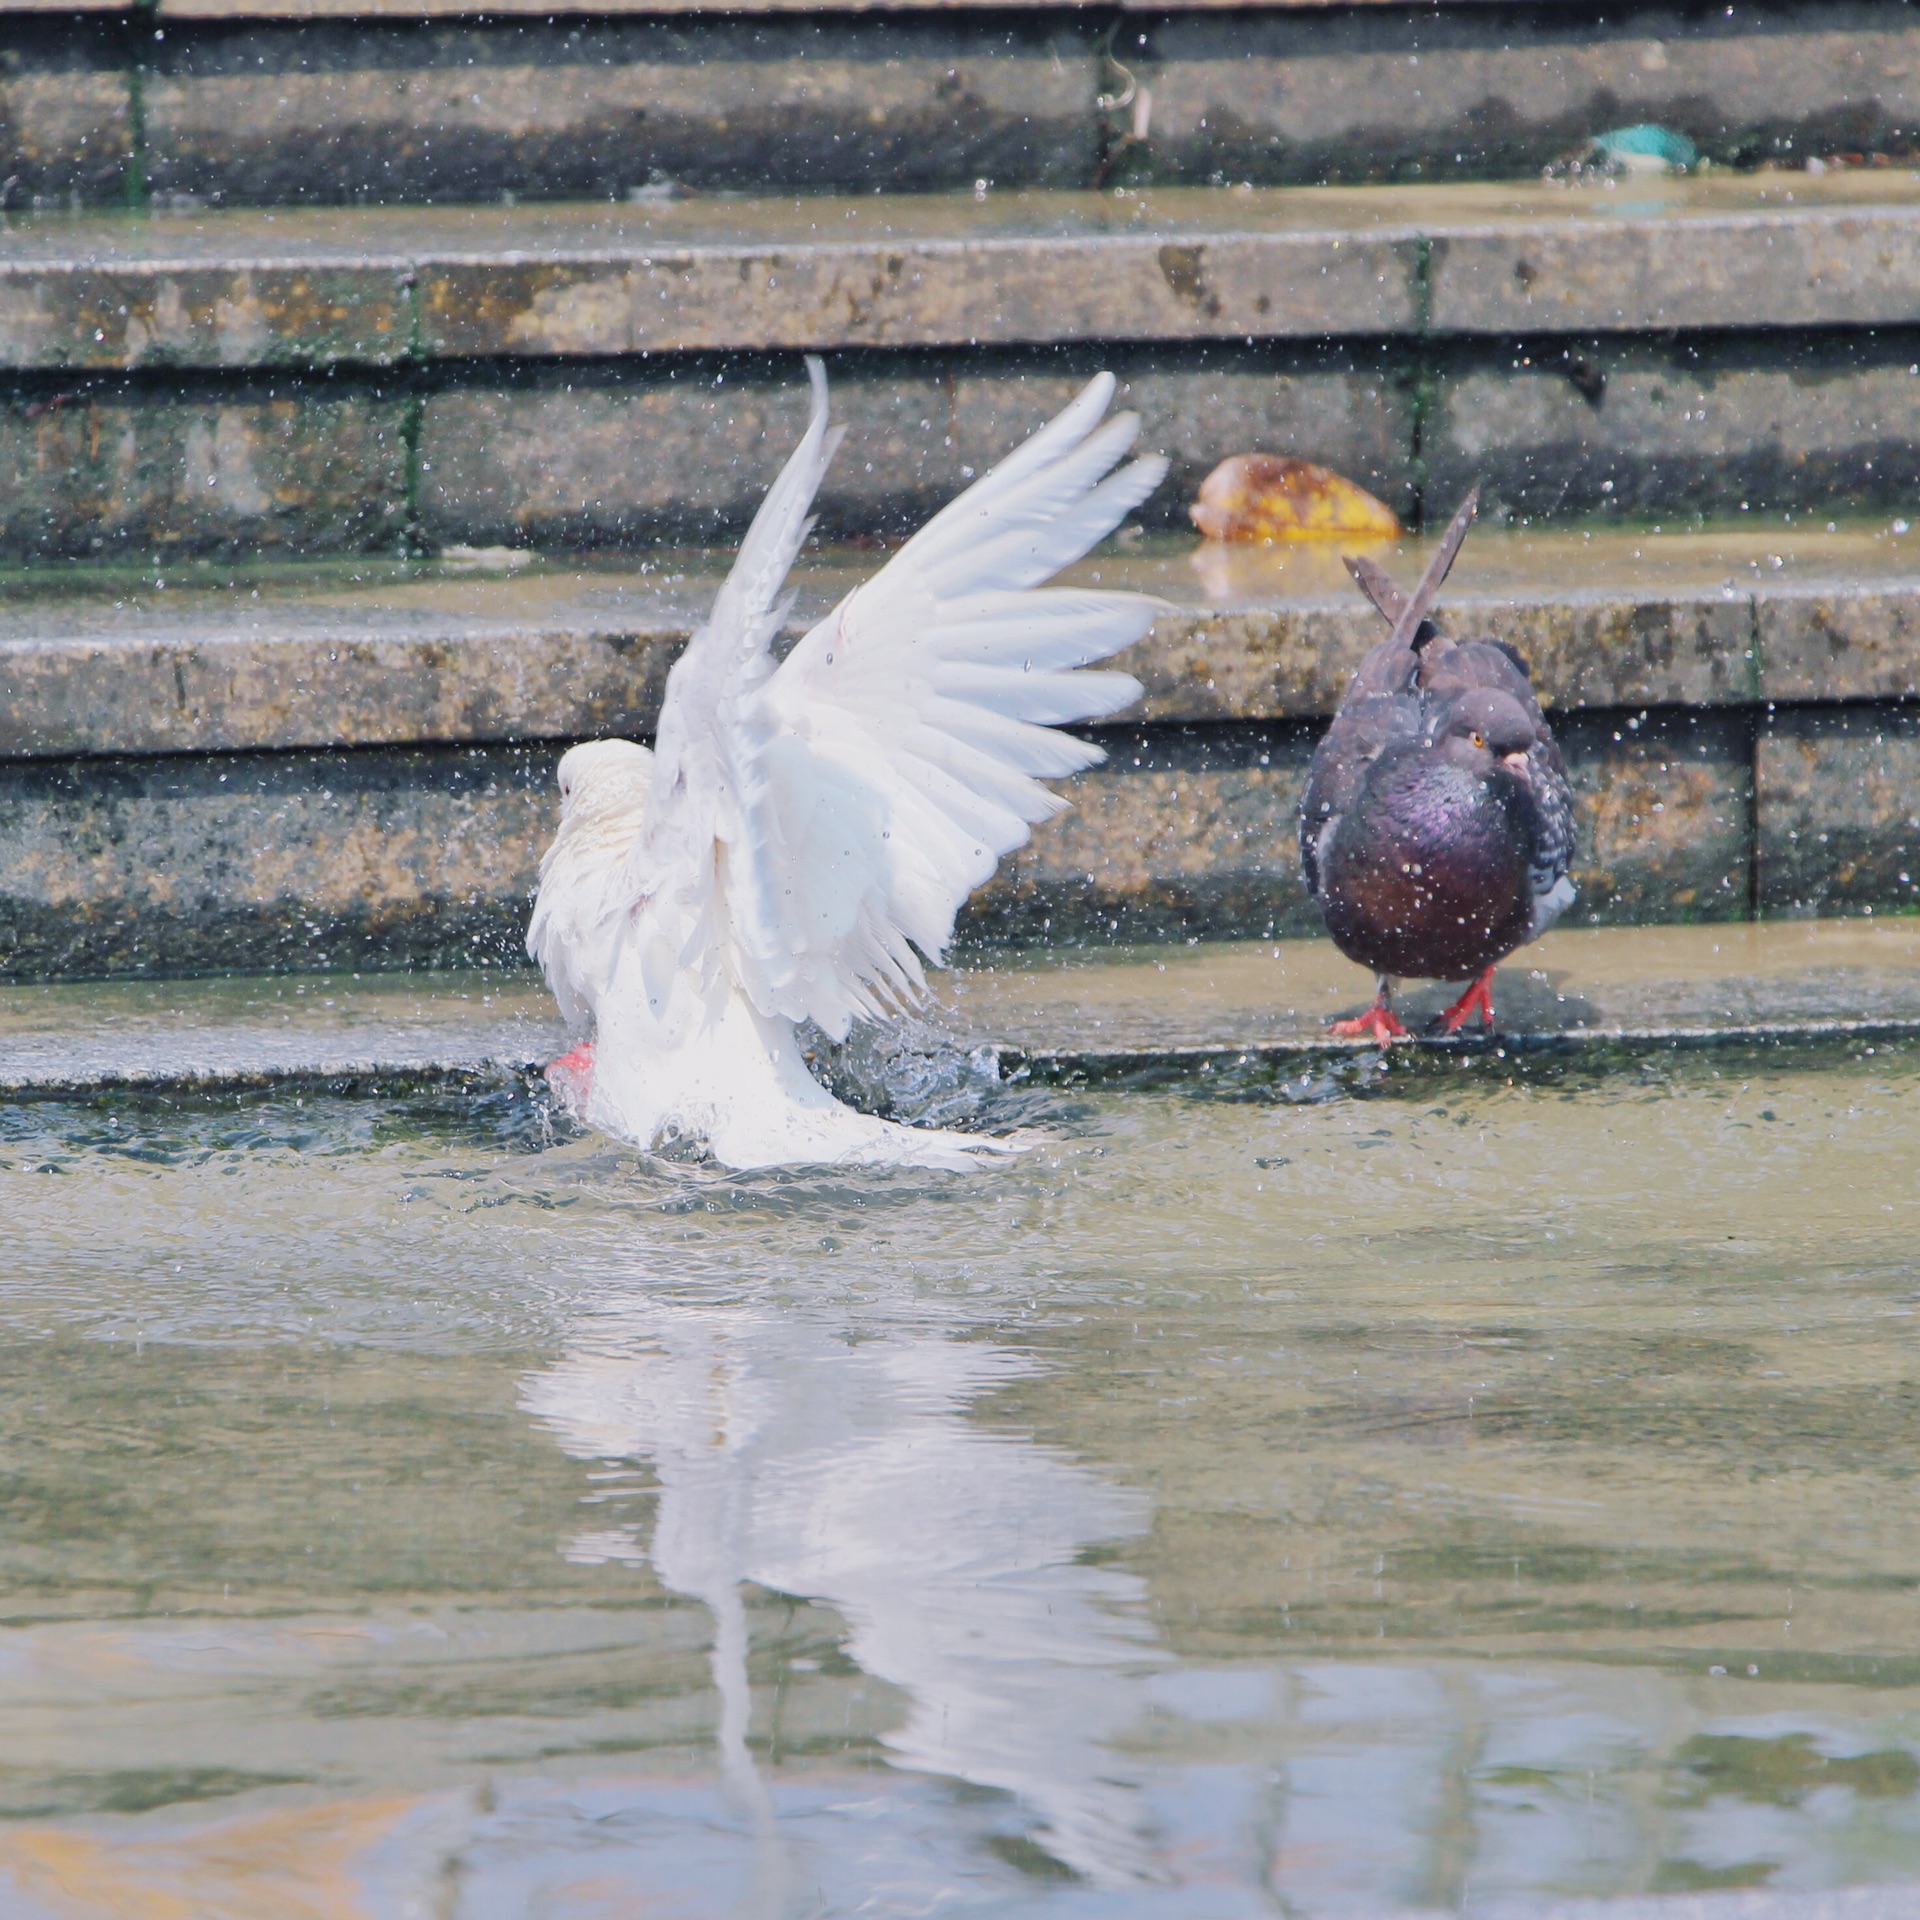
(672, 880)
(820, 825)
(902, 742)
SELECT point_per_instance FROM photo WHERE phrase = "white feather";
(811, 830)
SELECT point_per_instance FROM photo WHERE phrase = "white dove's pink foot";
(571, 1076)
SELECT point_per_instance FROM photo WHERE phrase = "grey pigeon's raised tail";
(1436, 832)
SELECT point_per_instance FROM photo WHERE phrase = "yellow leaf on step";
(1270, 497)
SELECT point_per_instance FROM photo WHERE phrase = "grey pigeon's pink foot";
(1379, 1023)
(1478, 998)
(571, 1076)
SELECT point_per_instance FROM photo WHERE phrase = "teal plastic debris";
(1645, 149)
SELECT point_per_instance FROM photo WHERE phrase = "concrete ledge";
(377, 286)
(216, 677)
(320, 682)
(1601, 986)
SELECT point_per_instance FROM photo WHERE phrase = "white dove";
(797, 843)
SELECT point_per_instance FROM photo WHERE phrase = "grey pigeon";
(1437, 826)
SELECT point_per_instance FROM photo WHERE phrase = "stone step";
(387, 287)
(362, 775)
(356, 382)
(399, 654)
(393, 104)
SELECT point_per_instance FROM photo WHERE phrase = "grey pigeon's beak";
(1515, 763)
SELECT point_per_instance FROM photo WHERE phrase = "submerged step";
(1184, 1009)
(383, 286)
(1607, 985)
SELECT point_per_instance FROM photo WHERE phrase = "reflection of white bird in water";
(802, 835)
(850, 1473)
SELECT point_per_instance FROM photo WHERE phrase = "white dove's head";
(604, 789)
(605, 776)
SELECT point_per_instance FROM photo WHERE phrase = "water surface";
(1371, 1493)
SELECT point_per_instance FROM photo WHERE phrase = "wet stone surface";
(184, 864)
(1052, 1006)
(1182, 831)
(254, 467)
(1836, 798)
(252, 115)
(66, 119)
(393, 104)
(207, 316)
(1289, 98)
(503, 644)
(225, 846)
(1704, 425)
(1680, 982)
(1664, 816)
(1853, 641)
(584, 457)
(1776, 249)
(412, 857)
(617, 375)
(622, 454)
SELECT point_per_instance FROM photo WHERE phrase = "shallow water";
(1419, 1491)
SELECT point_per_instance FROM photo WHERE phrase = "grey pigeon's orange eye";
(1478, 738)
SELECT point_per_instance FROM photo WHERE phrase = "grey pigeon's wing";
(1367, 724)
(1449, 667)
(1552, 831)
(1389, 668)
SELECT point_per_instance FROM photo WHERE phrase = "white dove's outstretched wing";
(816, 828)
